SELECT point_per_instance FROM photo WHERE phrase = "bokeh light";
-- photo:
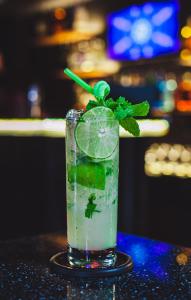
(171, 85)
(185, 54)
(59, 14)
(168, 160)
(186, 32)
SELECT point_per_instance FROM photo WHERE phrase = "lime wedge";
(90, 175)
(97, 133)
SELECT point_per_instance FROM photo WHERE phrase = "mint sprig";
(91, 104)
(124, 111)
(91, 207)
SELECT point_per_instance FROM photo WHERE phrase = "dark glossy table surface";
(161, 271)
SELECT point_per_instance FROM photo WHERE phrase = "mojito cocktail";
(92, 158)
(92, 155)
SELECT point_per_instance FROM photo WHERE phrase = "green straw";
(78, 80)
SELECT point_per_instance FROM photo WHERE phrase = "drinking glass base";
(59, 264)
(91, 259)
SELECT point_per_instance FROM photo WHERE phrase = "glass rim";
(79, 119)
(77, 116)
(97, 120)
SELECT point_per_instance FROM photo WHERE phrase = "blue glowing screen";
(143, 31)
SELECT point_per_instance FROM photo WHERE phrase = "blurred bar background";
(143, 49)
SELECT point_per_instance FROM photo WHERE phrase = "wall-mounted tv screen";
(143, 31)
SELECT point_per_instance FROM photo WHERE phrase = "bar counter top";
(161, 271)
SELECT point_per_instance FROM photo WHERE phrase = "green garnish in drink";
(91, 207)
(90, 175)
(123, 110)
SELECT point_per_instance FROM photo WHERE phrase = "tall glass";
(92, 199)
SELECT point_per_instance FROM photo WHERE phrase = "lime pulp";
(97, 133)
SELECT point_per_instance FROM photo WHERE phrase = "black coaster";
(59, 264)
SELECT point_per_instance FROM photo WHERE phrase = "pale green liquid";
(99, 231)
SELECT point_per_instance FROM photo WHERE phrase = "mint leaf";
(109, 171)
(120, 113)
(126, 109)
(92, 197)
(140, 110)
(91, 207)
(122, 102)
(110, 103)
(91, 104)
(123, 111)
(131, 125)
(113, 202)
(90, 210)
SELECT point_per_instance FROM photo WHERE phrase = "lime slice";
(98, 132)
(90, 175)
